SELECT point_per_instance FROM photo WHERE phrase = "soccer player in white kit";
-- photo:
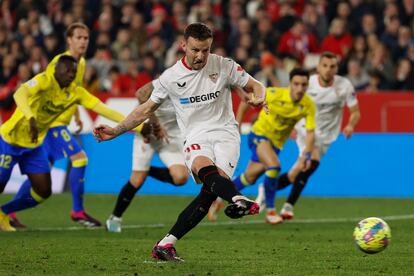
(169, 151)
(330, 93)
(198, 86)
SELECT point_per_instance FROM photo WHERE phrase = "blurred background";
(133, 41)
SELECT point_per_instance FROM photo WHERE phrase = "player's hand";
(348, 131)
(104, 133)
(79, 124)
(258, 101)
(160, 133)
(306, 159)
(146, 132)
(33, 130)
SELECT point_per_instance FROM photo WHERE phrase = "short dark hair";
(329, 55)
(298, 72)
(67, 59)
(76, 25)
(199, 31)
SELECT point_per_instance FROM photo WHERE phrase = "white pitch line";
(224, 223)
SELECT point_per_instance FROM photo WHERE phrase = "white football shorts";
(221, 147)
(170, 153)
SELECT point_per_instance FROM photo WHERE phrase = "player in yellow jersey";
(40, 101)
(270, 132)
(59, 142)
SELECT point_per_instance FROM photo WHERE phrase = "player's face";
(78, 42)
(65, 73)
(298, 85)
(327, 69)
(196, 52)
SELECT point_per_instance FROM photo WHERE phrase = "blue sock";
(28, 199)
(241, 182)
(270, 185)
(77, 185)
(24, 189)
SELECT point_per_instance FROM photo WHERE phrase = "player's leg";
(299, 184)
(187, 220)
(267, 155)
(252, 172)
(33, 162)
(142, 154)
(171, 154)
(7, 161)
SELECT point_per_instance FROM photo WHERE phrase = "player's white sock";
(168, 239)
(287, 207)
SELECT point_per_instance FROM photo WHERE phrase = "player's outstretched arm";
(135, 118)
(354, 117)
(144, 93)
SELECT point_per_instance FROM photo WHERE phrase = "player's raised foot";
(287, 211)
(5, 223)
(84, 219)
(272, 217)
(113, 224)
(15, 222)
(242, 206)
(165, 253)
(260, 199)
(217, 205)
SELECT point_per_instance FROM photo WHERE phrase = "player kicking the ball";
(198, 86)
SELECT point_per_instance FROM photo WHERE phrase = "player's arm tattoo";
(136, 117)
(144, 93)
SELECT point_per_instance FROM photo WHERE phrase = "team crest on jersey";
(181, 85)
(213, 77)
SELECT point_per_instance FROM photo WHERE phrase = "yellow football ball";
(372, 235)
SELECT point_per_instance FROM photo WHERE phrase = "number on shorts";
(193, 147)
(65, 135)
(5, 161)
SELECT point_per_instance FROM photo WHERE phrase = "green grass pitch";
(318, 242)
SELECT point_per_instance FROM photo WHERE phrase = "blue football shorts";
(59, 143)
(30, 160)
(253, 140)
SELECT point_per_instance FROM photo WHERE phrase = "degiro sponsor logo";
(200, 98)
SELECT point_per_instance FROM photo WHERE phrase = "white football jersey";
(329, 103)
(201, 98)
(166, 115)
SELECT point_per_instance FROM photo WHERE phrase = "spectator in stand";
(127, 13)
(404, 37)
(267, 74)
(37, 61)
(338, 41)
(410, 50)
(265, 37)
(91, 80)
(379, 59)
(407, 12)
(390, 36)
(123, 40)
(8, 69)
(404, 76)
(368, 24)
(171, 56)
(297, 42)
(15, 49)
(51, 46)
(138, 32)
(315, 22)
(343, 11)
(356, 74)
(157, 46)
(159, 25)
(376, 82)
(7, 90)
(179, 16)
(101, 61)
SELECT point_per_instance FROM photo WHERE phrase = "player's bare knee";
(137, 179)
(179, 174)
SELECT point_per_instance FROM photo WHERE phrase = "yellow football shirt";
(47, 101)
(65, 118)
(283, 115)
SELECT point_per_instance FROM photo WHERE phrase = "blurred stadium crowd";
(132, 41)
